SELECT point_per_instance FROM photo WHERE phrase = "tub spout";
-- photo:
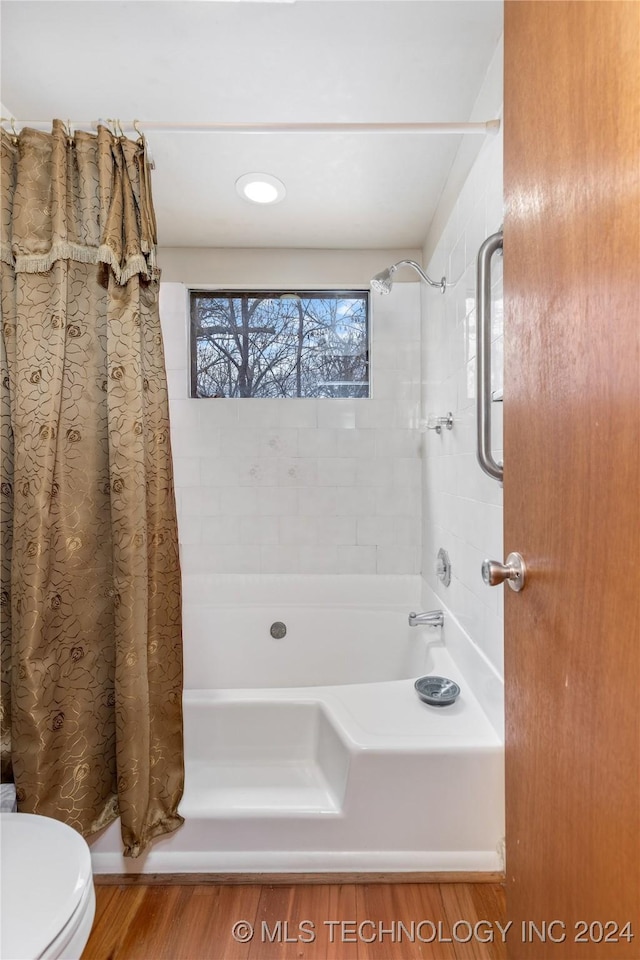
(430, 618)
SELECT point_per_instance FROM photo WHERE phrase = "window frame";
(193, 292)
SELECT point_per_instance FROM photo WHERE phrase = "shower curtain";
(91, 606)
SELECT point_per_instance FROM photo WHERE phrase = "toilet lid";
(46, 867)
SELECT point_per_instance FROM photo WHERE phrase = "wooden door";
(572, 476)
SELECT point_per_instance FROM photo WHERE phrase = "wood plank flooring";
(368, 921)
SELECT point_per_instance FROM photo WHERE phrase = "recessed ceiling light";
(260, 188)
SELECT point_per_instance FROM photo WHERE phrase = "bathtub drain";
(278, 630)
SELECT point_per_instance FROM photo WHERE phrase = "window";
(279, 343)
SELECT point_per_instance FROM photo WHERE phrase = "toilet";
(47, 895)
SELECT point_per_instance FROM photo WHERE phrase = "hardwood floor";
(369, 921)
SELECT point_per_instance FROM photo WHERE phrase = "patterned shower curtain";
(91, 606)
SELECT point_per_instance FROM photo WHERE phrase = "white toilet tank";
(47, 899)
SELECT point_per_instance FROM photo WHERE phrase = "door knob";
(514, 572)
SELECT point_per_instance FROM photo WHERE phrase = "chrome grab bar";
(483, 354)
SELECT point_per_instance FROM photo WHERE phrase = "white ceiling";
(311, 60)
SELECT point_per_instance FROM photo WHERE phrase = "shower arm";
(441, 284)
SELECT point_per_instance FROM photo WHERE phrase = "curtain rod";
(176, 126)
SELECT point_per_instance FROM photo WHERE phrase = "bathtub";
(310, 752)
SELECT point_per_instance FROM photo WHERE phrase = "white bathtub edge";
(394, 861)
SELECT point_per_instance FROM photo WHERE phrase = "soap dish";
(437, 691)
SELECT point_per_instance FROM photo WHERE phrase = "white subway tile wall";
(301, 486)
(461, 506)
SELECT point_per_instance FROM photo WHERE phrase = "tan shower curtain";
(91, 607)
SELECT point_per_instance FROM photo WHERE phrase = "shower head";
(383, 281)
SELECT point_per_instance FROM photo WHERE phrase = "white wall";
(462, 507)
(301, 486)
(265, 269)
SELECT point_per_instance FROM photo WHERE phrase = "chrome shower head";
(383, 281)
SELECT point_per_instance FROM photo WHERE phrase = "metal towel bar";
(483, 355)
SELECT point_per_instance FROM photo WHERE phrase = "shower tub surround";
(311, 751)
(314, 486)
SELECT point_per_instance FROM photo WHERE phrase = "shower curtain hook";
(12, 121)
(14, 134)
(145, 146)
